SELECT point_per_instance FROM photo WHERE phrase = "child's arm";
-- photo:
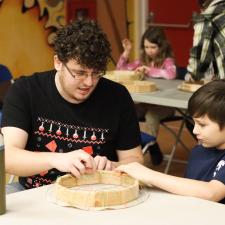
(127, 46)
(124, 65)
(167, 71)
(213, 190)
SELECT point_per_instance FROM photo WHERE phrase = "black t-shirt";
(104, 123)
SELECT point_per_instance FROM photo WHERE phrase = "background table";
(166, 95)
(31, 207)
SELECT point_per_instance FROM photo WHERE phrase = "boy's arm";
(22, 162)
(213, 190)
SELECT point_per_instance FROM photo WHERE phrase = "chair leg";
(177, 139)
(175, 136)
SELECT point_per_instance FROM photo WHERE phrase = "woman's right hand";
(76, 162)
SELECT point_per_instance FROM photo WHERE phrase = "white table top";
(167, 95)
(31, 207)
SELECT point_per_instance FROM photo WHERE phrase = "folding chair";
(5, 83)
(181, 71)
(165, 123)
(5, 74)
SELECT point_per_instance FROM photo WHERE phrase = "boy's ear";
(57, 63)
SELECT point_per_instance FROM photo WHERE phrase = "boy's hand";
(135, 170)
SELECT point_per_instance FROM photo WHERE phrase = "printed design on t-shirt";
(220, 164)
(70, 133)
(51, 146)
(37, 181)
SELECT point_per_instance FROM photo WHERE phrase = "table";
(31, 207)
(167, 95)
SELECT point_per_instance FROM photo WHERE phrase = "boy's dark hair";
(209, 100)
(84, 41)
(156, 36)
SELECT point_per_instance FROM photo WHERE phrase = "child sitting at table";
(205, 174)
(156, 61)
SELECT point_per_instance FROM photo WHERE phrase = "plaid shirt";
(209, 42)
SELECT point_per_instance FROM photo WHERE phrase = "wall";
(25, 35)
(24, 41)
(112, 17)
(176, 17)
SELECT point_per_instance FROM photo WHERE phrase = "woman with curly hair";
(67, 120)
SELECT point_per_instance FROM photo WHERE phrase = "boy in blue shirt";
(205, 174)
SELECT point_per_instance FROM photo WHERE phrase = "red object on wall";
(81, 9)
(176, 12)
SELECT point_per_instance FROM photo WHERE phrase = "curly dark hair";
(84, 41)
(156, 36)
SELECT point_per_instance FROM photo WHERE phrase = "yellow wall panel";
(24, 40)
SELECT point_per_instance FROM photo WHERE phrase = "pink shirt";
(166, 71)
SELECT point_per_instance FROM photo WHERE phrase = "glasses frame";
(84, 75)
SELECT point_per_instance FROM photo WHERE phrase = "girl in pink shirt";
(156, 55)
(156, 61)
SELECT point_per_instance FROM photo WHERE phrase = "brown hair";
(156, 36)
(209, 100)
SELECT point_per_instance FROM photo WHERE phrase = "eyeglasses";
(81, 75)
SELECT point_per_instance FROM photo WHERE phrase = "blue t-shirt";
(206, 164)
